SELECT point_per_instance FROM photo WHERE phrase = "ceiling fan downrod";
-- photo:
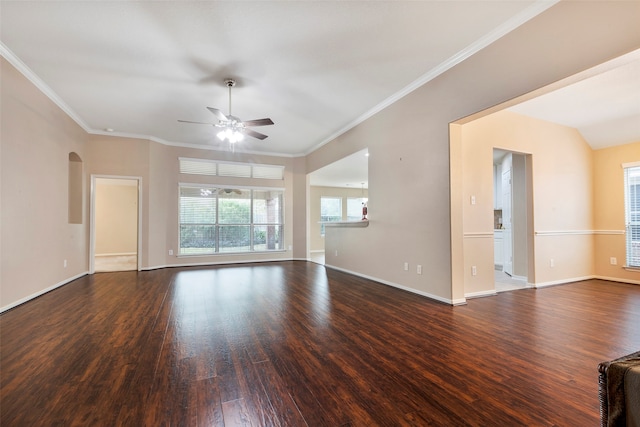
(230, 83)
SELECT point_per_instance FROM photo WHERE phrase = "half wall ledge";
(363, 223)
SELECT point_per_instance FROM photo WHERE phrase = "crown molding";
(185, 145)
(535, 9)
(532, 11)
(7, 54)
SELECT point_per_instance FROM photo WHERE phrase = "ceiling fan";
(232, 128)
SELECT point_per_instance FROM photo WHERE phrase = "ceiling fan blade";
(254, 134)
(198, 123)
(258, 122)
(218, 114)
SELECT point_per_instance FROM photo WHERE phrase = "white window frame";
(192, 166)
(217, 224)
(360, 204)
(335, 219)
(632, 214)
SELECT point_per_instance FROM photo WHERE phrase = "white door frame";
(92, 226)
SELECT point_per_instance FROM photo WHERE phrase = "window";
(632, 214)
(238, 170)
(330, 210)
(354, 208)
(229, 220)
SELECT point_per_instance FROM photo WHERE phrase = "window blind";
(229, 220)
(632, 215)
(197, 166)
(234, 169)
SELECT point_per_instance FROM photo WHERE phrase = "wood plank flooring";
(295, 344)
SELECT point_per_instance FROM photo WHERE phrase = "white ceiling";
(316, 68)
(605, 108)
(349, 172)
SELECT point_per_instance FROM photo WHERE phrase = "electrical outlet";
(552, 263)
(419, 269)
(474, 270)
(336, 252)
(290, 247)
(406, 266)
(65, 263)
(170, 251)
(613, 260)
(473, 200)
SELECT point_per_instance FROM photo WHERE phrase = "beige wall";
(116, 216)
(562, 197)
(414, 199)
(316, 192)
(36, 236)
(158, 166)
(609, 211)
(410, 198)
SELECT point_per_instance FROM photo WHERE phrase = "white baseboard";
(404, 288)
(201, 264)
(480, 294)
(561, 282)
(42, 292)
(615, 279)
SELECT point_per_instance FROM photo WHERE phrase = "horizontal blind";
(233, 169)
(197, 217)
(268, 172)
(632, 215)
(229, 220)
(197, 166)
(238, 170)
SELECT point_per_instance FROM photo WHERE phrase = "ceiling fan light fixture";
(230, 135)
(232, 128)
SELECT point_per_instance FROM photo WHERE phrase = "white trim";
(316, 251)
(478, 235)
(203, 264)
(480, 294)
(188, 145)
(530, 12)
(633, 269)
(41, 85)
(92, 219)
(630, 165)
(232, 187)
(359, 223)
(219, 254)
(395, 285)
(42, 292)
(521, 278)
(617, 279)
(578, 232)
(562, 281)
(514, 22)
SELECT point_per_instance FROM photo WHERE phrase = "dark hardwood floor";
(293, 344)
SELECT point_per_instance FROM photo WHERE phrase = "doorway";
(115, 223)
(513, 225)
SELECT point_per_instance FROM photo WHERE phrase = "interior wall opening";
(115, 224)
(337, 192)
(511, 213)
